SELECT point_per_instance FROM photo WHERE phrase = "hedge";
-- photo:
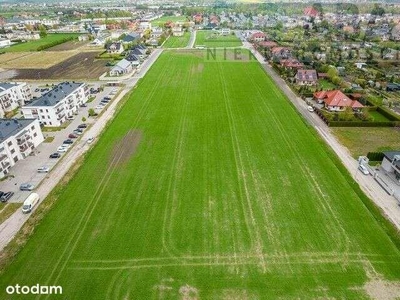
(55, 43)
(362, 124)
(388, 114)
(375, 156)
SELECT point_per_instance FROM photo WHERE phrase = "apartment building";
(13, 95)
(18, 138)
(54, 107)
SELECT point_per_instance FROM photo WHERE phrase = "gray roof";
(390, 154)
(6, 85)
(10, 127)
(54, 96)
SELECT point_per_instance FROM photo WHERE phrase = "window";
(9, 143)
(35, 134)
(47, 110)
(33, 127)
(41, 110)
(12, 151)
(16, 159)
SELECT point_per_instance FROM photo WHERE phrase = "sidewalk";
(10, 227)
(370, 187)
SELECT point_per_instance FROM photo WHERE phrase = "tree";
(42, 31)
(378, 10)
(92, 113)
(83, 119)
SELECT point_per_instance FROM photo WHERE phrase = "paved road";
(387, 203)
(192, 39)
(12, 225)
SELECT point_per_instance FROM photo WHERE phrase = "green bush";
(375, 156)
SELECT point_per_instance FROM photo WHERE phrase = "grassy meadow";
(209, 185)
(211, 39)
(177, 41)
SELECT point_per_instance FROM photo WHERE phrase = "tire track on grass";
(256, 241)
(101, 187)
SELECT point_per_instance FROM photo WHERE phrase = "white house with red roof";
(258, 37)
(336, 100)
(291, 63)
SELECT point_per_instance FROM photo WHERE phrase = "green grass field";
(34, 45)
(161, 21)
(177, 41)
(208, 185)
(212, 39)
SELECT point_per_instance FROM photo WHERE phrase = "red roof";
(279, 49)
(291, 63)
(311, 11)
(337, 98)
(268, 44)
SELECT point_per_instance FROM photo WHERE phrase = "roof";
(10, 127)
(268, 44)
(114, 46)
(131, 37)
(55, 95)
(279, 49)
(307, 75)
(7, 85)
(122, 64)
(391, 154)
(311, 11)
(337, 98)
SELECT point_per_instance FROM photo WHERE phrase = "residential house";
(311, 12)
(177, 31)
(130, 38)
(83, 38)
(18, 138)
(281, 53)
(101, 40)
(123, 67)
(360, 65)
(291, 63)
(156, 32)
(258, 37)
(267, 44)
(336, 101)
(306, 77)
(54, 107)
(391, 163)
(225, 31)
(115, 48)
(13, 95)
(4, 43)
(145, 25)
(133, 59)
(395, 33)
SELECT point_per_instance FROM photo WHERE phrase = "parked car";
(55, 155)
(26, 187)
(43, 169)
(72, 136)
(99, 107)
(107, 98)
(90, 140)
(78, 132)
(310, 108)
(70, 118)
(83, 105)
(363, 169)
(30, 202)
(69, 141)
(6, 196)
(62, 149)
(83, 125)
(1, 194)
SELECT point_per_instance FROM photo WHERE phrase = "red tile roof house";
(267, 44)
(258, 37)
(336, 100)
(311, 12)
(306, 77)
(291, 63)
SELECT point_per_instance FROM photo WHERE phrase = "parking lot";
(25, 171)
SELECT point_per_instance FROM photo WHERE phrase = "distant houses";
(13, 95)
(115, 48)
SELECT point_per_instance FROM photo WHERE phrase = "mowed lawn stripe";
(227, 194)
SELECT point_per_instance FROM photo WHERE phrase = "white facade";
(13, 95)
(53, 108)
(18, 138)
(145, 26)
(5, 43)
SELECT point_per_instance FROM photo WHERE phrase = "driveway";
(367, 183)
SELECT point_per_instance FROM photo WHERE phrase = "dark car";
(82, 126)
(6, 196)
(1, 194)
(69, 141)
(107, 98)
(55, 155)
(72, 136)
(83, 105)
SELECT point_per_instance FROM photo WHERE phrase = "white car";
(310, 108)
(43, 169)
(90, 140)
(363, 169)
(62, 149)
(70, 118)
(99, 107)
